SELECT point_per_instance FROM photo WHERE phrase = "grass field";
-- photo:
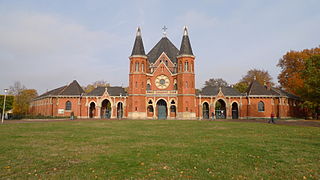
(157, 149)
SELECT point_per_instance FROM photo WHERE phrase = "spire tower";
(138, 48)
(185, 48)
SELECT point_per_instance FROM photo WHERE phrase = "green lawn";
(153, 149)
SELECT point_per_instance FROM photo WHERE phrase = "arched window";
(261, 106)
(68, 105)
(173, 109)
(175, 86)
(150, 109)
(142, 67)
(137, 67)
(186, 84)
(186, 68)
(180, 67)
(148, 87)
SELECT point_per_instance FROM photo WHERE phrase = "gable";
(166, 60)
(166, 46)
(161, 70)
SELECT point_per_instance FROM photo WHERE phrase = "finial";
(138, 32)
(185, 31)
(164, 31)
(254, 77)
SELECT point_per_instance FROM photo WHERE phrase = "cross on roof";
(164, 30)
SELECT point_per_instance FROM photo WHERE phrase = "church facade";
(162, 86)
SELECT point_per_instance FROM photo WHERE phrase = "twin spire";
(185, 49)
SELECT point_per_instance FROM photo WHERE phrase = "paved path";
(300, 122)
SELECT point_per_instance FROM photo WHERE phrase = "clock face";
(162, 82)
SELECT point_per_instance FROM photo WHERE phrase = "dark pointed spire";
(138, 48)
(185, 48)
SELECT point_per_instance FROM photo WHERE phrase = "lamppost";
(4, 104)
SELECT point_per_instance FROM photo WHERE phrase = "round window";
(162, 81)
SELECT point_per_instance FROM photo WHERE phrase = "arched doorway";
(173, 111)
(119, 110)
(106, 109)
(162, 109)
(92, 110)
(235, 111)
(205, 110)
(150, 110)
(220, 109)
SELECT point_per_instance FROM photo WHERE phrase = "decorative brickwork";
(162, 86)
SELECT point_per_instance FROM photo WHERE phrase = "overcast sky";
(47, 44)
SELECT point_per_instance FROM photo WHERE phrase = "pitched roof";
(214, 90)
(281, 92)
(73, 89)
(185, 48)
(98, 91)
(116, 91)
(53, 92)
(166, 46)
(255, 88)
(138, 48)
(112, 91)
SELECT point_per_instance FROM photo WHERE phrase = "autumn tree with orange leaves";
(292, 65)
(300, 75)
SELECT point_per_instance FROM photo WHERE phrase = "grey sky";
(47, 44)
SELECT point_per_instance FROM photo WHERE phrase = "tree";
(310, 91)
(22, 101)
(22, 98)
(9, 103)
(261, 76)
(241, 86)
(216, 82)
(16, 88)
(92, 86)
(292, 65)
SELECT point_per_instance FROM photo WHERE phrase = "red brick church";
(162, 86)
